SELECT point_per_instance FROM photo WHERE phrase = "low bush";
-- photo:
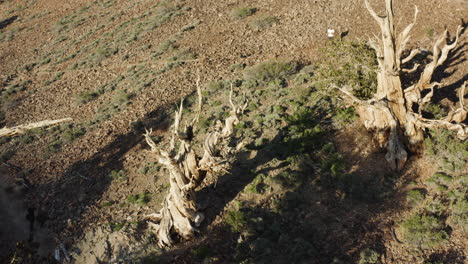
(344, 117)
(237, 220)
(369, 256)
(459, 215)
(243, 12)
(450, 153)
(348, 63)
(117, 175)
(264, 22)
(140, 199)
(414, 197)
(270, 72)
(84, 97)
(424, 231)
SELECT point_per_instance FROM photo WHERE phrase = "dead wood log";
(179, 214)
(21, 129)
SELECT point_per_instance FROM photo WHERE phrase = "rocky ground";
(117, 66)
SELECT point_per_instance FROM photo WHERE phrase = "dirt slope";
(114, 66)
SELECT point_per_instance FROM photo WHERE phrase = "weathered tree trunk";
(390, 114)
(186, 171)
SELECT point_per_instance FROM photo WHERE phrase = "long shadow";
(8, 21)
(456, 57)
(84, 182)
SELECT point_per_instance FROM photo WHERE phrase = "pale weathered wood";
(179, 214)
(21, 129)
(389, 114)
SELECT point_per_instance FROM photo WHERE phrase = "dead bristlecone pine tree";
(179, 214)
(394, 114)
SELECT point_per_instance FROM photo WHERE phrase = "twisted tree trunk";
(390, 113)
(179, 214)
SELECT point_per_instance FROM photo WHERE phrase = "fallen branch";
(21, 129)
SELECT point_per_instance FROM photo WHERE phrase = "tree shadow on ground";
(8, 21)
(315, 206)
(65, 201)
(452, 256)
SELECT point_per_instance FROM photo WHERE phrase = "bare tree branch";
(404, 37)
(380, 20)
(412, 54)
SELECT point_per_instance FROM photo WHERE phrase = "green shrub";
(201, 252)
(165, 46)
(150, 168)
(7, 155)
(344, 117)
(121, 97)
(237, 220)
(117, 175)
(369, 256)
(449, 152)
(435, 111)
(424, 231)
(270, 71)
(55, 146)
(85, 97)
(140, 199)
(116, 226)
(72, 134)
(243, 12)
(348, 63)
(57, 77)
(264, 22)
(304, 134)
(257, 185)
(289, 179)
(437, 208)
(107, 204)
(414, 197)
(459, 215)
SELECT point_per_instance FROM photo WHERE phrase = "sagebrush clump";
(424, 231)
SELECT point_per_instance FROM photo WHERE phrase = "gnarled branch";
(186, 171)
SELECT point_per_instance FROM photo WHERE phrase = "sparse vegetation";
(118, 175)
(243, 12)
(140, 199)
(449, 153)
(459, 215)
(348, 63)
(264, 22)
(424, 231)
(237, 220)
(369, 256)
(414, 197)
(298, 191)
(270, 72)
(85, 97)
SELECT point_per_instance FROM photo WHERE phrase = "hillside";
(310, 185)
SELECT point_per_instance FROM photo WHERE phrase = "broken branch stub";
(179, 214)
(394, 113)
